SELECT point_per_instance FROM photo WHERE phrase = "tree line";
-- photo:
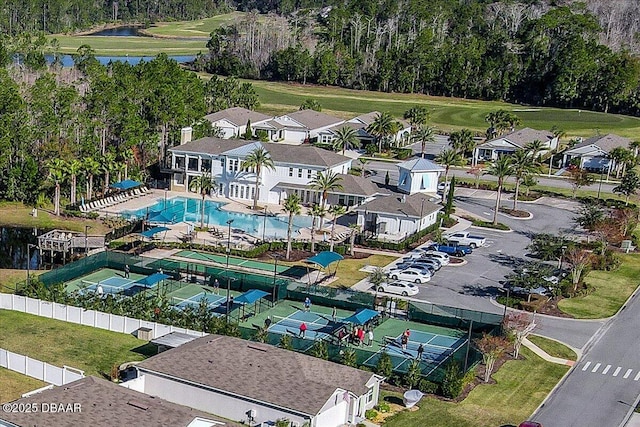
(89, 124)
(526, 52)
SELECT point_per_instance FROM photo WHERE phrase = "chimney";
(403, 198)
(185, 135)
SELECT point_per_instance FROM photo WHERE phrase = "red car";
(530, 424)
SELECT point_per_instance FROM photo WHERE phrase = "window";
(253, 192)
(290, 171)
(222, 163)
(235, 191)
(179, 163)
(309, 173)
(221, 189)
(206, 165)
(341, 200)
(370, 395)
(236, 163)
(179, 179)
(193, 164)
(230, 165)
(242, 192)
(299, 173)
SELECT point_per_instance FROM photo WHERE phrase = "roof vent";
(253, 347)
(138, 404)
(403, 199)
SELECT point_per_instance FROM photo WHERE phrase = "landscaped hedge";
(257, 250)
(401, 246)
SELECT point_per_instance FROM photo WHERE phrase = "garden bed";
(516, 213)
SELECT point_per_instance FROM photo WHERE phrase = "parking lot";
(473, 284)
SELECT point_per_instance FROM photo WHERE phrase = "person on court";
(303, 329)
(307, 304)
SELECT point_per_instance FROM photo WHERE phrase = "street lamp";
(264, 223)
(86, 238)
(276, 257)
(29, 246)
(421, 211)
(563, 248)
(229, 222)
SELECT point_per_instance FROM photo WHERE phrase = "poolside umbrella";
(153, 231)
(159, 217)
(127, 184)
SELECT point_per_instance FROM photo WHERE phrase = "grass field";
(129, 46)
(349, 269)
(612, 289)
(189, 29)
(520, 387)
(9, 277)
(15, 214)
(553, 348)
(447, 114)
(93, 350)
(15, 385)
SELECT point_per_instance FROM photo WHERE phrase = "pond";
(13, 247)
(67, 60)
(119, 32)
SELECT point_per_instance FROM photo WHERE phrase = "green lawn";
(553, 348)
(9, 277)
(15, 385)
(612, 289)
(447, 114)
(93, 350)
(129, 46)
(197, 28)
(15, 214)
(521, 387)
(349, 269)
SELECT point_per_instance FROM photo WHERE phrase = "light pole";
(600, 184)
(229, 222)
(276, 257)
(29, 246)
(264, 223)
(563, 248)
(421, 212)
(86, 239)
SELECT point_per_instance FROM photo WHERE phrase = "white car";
(440, 256)
(411, 275)
(400, 288)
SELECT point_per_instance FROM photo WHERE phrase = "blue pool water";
(179, 209)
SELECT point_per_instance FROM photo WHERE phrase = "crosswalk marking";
(637, 377)
(595, 368)
(617, 371)
(626, 375)
(606, 370)
(586, 366)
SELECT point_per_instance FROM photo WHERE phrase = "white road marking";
(617, 371)
(595, 368)
(606, 370)
(626, 375)
(586, 366)
(637, 377)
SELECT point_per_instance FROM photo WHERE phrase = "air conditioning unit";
(145, 334)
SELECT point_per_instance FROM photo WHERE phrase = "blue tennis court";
(212, 301)
(319, 327)
(112, 285)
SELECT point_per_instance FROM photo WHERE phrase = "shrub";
(489, 224)
(412, 377)
(403, 153)
(427, 386)
(453, 381)
(370, 414)
(607, 262)
(384, 366)
(286, 343)
(383, 407)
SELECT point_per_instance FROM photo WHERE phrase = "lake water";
(120, 32)
(67, 60)
(13, 247)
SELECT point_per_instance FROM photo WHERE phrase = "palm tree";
(448, 158)
(461, 141)
(522, 165)
(423, 135)
(417, 116)
(534, 147)
(336, 211)
(501, 169)
(292, 207)
(346, 137)
(202, 184)
(363, 164)
(259, 158)
(119, 168)
(620, 156)
(73, 169)
(108, 164)
(91, 168)
(355, 229)
(57, 172)
(126, 156)
(326, 182)
(381, 127)
(316, 212)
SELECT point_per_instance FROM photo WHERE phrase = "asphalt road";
(601, 390)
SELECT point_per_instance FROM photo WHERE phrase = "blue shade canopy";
(159, 217)
(251, 296)
(126, 184)
(325, 258)
(362, 316)
(152, 231)
(151, 281)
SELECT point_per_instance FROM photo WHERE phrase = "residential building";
(355, 191)
(419, 175)
(258, 383)
(328, 135)
(593, 153)
(232, 122)
(298, 127)
(295, 168)
(95, 402)
(511, 142)
(399, 138)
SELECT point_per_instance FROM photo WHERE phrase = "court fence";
(453, 317)
(39, 370)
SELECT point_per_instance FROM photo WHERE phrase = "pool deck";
(239, 239)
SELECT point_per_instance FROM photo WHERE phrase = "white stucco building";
(232, 122)
(593, 153)
(258, 383)
(419, 175)
(511, 142)
(298, 127)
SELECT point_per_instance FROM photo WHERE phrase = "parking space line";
(617, 371)
(595, 368)
(637, 377)
(606, 370)
(586, 366)
(626, 375)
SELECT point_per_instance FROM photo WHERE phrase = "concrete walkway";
(544, 355)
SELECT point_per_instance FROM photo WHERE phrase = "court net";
(109, 286)
(211, 301)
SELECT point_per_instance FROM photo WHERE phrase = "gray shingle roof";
(259, 371)
(280, 153)
(394, 205)
(420, 164)
(357, 186)
(524, 136)
(313, 119)
(237, 115)
(605, 142)
(104, 404)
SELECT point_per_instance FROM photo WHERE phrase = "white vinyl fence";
(97, 319)
(39, 370)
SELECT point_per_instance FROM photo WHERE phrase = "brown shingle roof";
(237, 115)
(104, 404)
(393, 204)
(280, 153)
(259, 371)
(604, 142)
(314, 119)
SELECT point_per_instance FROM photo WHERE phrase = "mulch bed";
(515, 213)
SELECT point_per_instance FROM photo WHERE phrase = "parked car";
(541, 290)
(530, 424)
(405, 265)
(456, 250)
(411, 275)
(440, 256)
(432, 262)
(465, 238)
(400, 288)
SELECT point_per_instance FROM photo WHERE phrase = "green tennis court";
(234, 261)
(98, 276)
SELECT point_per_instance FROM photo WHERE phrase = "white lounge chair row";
(113, 200)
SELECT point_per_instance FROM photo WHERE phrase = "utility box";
(145, 334)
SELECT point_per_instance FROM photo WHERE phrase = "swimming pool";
(179, 209)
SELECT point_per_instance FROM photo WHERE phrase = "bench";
(626, 246)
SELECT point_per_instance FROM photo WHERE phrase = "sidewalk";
(540, 352)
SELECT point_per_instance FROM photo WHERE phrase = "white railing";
(96, 319)
(37, 369)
